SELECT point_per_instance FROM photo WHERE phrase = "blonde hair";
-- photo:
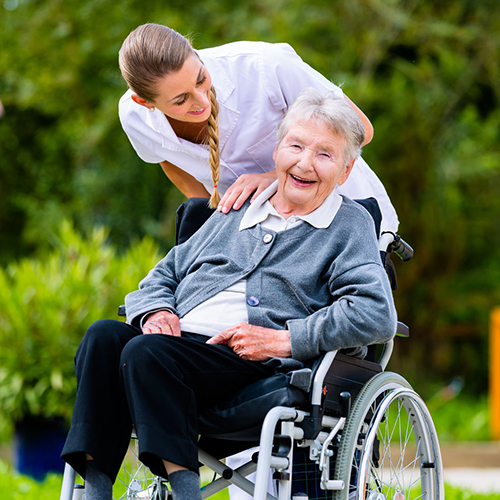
(213, 144)
(148, 54)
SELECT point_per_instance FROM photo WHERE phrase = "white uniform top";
(255, 83)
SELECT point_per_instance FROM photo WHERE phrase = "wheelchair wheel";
(135, 481)
(389, 448)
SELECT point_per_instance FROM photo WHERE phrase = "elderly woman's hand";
(243, 187)
(255, 343)
(163, 322)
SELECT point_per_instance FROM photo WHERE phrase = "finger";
(227, 194)
(175, 326)
(151, 328)
(259, 190)
(243, 186)
(243, 197)
(229, 199)
(166, 323)
(163, 326)
(221, 338)
(165, 329)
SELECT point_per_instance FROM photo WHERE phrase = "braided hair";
(213, 144)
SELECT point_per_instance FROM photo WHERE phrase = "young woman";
(209, 117)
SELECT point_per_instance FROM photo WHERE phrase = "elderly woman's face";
(309, 163)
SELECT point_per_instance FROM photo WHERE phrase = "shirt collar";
(261, 209)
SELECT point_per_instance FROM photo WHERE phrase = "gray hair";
(335, 112)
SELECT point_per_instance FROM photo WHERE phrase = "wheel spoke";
(135, 481)
(391, 423)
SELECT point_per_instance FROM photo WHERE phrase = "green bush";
(15, 486)
(47, 304)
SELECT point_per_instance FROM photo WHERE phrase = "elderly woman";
(267, 288)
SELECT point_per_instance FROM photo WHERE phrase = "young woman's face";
(185, 95)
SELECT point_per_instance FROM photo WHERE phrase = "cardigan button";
(253, 301)
(267, 238)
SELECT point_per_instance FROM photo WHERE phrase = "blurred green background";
(426, 73)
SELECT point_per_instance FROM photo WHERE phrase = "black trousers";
(158, 384)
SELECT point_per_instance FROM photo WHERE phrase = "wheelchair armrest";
(386, 354)
(319, 377)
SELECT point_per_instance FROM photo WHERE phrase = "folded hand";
(255, 343)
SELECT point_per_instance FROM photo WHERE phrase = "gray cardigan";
(326, 286)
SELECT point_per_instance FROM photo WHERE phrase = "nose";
(202, 98)
(306, 159)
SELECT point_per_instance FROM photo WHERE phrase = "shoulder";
(355, 221)
(240, 58)
(143, 129)
(125, 103)
(251, 72)
(354, 209)
(219, 222)
(129, 111)
(244, 49)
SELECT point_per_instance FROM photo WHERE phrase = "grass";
(14, 486)
(460, 419)
(453, 493)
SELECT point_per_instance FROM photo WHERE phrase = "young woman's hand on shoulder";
(243, 187)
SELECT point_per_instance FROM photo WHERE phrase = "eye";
(181, 102)
(202, 80)
(325, 155)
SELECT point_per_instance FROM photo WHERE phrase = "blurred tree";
(425, 72)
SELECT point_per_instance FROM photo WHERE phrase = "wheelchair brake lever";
(345, 403)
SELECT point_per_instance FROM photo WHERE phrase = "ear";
(274, 154)
(141, 101)
(346, 173)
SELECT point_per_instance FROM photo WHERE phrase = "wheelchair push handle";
(391, 242)
(402, 249)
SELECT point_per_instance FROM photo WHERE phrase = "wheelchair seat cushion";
(241, 417)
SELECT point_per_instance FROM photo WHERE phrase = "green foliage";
(47, 305)
(15, 486)
(426, 73)
(460, 419)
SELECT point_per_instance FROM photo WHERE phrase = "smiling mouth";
(301, 181)
(199, 112)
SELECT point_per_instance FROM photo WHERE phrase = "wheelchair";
(361, 433)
